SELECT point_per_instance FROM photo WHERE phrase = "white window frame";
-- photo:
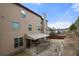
(17, 25)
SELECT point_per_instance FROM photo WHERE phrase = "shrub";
(77, 21)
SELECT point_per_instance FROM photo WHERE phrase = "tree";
(72, 27)
(52, 31)
(77, 21)
(58, 31)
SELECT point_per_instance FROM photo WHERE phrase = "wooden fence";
(56, 37)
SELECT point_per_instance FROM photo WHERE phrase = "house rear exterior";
(15, 21)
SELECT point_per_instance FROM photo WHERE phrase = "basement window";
(21, 41)
(18, 42)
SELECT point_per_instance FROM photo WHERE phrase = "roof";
(35, 36)
(28, 10)
(49, 29)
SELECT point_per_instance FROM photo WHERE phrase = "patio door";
(28, 43)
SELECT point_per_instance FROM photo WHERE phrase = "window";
(18, 42)
(41, 22)
(23, 14)
(38, 28)
(30, 27)
(21, 41)
(15, 25)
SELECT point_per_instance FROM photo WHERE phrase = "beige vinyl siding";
(12, 12)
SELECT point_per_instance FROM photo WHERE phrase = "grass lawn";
(23, 53)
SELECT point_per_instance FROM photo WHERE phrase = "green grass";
(23, 53)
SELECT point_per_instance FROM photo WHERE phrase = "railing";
(42, 46)
(56, 37)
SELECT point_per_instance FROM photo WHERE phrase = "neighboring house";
(19, 25)
(60, 31)
(55, 31)
(49, 30)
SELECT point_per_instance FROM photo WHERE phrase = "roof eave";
(28, 9)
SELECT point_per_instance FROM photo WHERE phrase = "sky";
(59, 15)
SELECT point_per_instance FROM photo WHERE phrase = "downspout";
(44, 24)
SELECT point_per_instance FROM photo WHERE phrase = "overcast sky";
(59, 15)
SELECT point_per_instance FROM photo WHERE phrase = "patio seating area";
(47, 48)
(43, 49)
(38, 46)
